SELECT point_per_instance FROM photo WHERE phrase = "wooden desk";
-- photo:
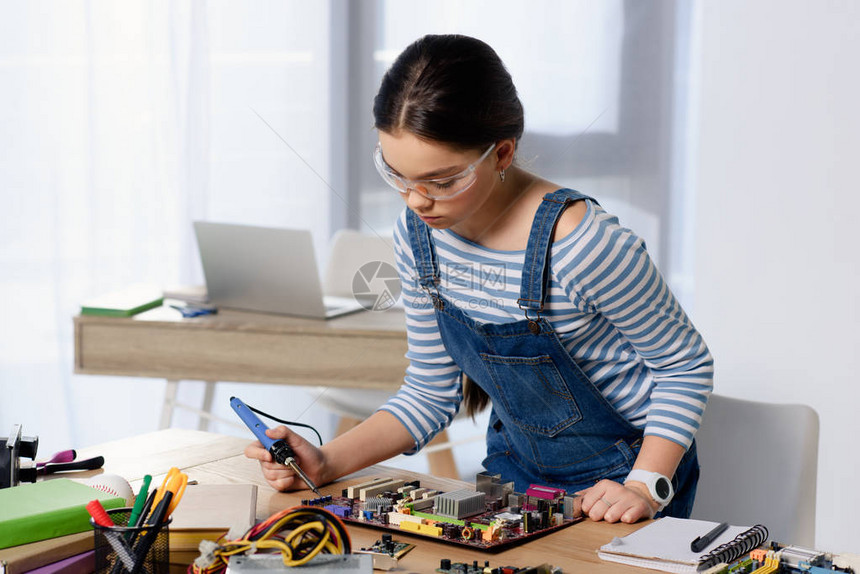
(363, 350)
(211, 458)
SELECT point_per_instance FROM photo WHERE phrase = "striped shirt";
(608, 304)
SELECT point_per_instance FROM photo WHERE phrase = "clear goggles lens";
(442, 188)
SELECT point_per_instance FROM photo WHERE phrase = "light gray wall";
(776, 222)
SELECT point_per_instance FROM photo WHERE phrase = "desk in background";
(364, 350)
(211, 458)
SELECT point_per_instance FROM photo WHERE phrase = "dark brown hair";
(474, 398)
(454, 90)
(450, 89)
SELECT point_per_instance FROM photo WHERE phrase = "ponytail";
(475, 399)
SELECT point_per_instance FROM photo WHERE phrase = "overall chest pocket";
(533, 393)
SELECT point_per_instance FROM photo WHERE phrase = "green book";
(125, 303)
(47, 509)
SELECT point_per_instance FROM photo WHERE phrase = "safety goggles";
(438, 189)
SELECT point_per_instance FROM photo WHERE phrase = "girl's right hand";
(309, 458)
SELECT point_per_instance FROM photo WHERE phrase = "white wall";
(776, 223)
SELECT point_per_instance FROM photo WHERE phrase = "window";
(596, 81)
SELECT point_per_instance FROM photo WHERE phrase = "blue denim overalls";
(549, 424)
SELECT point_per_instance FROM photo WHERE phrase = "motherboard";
(490, 518)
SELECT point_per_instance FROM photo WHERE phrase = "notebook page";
(674, 567)
(666, 540)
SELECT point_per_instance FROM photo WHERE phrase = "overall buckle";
(534, 322)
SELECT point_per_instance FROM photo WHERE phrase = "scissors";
(175, 482)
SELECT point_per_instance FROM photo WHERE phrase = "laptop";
(266, 270)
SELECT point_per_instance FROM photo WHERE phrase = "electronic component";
(493, 487)
(12, 449)
(386, 552)
(352, 491)
(322, 564)
(476, 519)
(376, 489)
(378, 504)
(447, 567)
(422, 528)
(424, 504)
(793, 556)
(571, 506)
(459, 503)
(544, 492)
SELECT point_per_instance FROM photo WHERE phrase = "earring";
(502, 175)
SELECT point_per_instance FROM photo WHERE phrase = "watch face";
(663, 488)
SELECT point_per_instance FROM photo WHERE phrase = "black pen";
(702, 542)
(132, 536)
(156, 522)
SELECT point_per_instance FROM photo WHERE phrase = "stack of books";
(45, 523)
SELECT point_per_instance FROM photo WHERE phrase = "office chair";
(350, 250)
(759, 464)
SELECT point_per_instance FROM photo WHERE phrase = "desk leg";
(344, 424)
(204, 414)
(168, 404)
(208, 394)
(441, 461)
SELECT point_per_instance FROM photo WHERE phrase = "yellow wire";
(320, 545)
(323, 541)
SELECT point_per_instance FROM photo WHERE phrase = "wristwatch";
(659, 487)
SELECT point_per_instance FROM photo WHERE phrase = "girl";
(524, 296)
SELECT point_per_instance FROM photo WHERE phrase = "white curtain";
(122, 122)
(104, 159)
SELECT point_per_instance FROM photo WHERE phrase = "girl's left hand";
(611, 501)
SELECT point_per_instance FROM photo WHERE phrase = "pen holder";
(124, 549)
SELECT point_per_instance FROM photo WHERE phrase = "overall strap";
(423, 250)
(536, 264)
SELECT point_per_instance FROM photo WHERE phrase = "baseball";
(113, 484)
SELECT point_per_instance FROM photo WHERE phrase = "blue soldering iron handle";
(279, 449)
(252, 421)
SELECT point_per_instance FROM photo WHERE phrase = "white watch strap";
(640, 475)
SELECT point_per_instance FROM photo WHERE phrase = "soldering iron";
(279, 449)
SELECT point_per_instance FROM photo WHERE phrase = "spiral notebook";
(665, 545)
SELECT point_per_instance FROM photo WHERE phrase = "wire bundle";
(298, 533)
